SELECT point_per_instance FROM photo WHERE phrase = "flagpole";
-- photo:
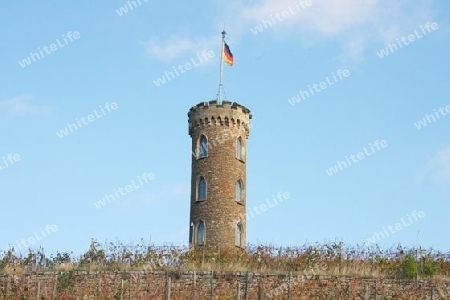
(219, 100)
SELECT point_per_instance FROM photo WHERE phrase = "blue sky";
(106, 73)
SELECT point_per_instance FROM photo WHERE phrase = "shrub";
(66, 280)
(430, 266)
(408, 267)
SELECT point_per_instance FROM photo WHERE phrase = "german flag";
(227, 54)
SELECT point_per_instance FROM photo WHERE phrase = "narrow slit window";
(191, 233)
(239, 235)
(203, 146)
(239, 148)
(201, 233)
(238, 191)
(202, 189)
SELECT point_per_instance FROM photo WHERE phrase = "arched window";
(201, 233)
(239, 191)
(202, 189)
(203, 146)
(239, 234)
(239, 148)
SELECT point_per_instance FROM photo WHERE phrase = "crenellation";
(199, 118)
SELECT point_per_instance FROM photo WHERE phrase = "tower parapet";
(228, 113)
(219, 135)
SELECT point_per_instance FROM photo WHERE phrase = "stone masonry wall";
(211, 285)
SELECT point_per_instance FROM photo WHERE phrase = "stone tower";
(219, 135)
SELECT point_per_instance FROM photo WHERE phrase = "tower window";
(191, 233)
(201, 233)
(239, 235)
(239, 191)
(203, 146)
(239, 148)
(202, 189)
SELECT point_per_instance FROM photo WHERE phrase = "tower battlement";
(211, 113)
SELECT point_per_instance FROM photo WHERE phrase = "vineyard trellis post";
(168, 286)
(38, 288)
(54, 286)
(121, 290)
(194, 285)
(129, 288)
(212, 286)
(289, 285)
(261, 288)
(246, 286)
(238, 289)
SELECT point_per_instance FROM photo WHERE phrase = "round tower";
(219, 135)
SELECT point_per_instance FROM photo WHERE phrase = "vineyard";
(320, 271)
(329, 259)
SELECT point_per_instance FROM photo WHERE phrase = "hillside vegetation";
(320, 259)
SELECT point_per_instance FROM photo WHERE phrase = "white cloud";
(354, 48)
(326, 17)
(355, 24)
(21, 106)
(354, 21)
(437, 168)
(331, 17)
(177, 46)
